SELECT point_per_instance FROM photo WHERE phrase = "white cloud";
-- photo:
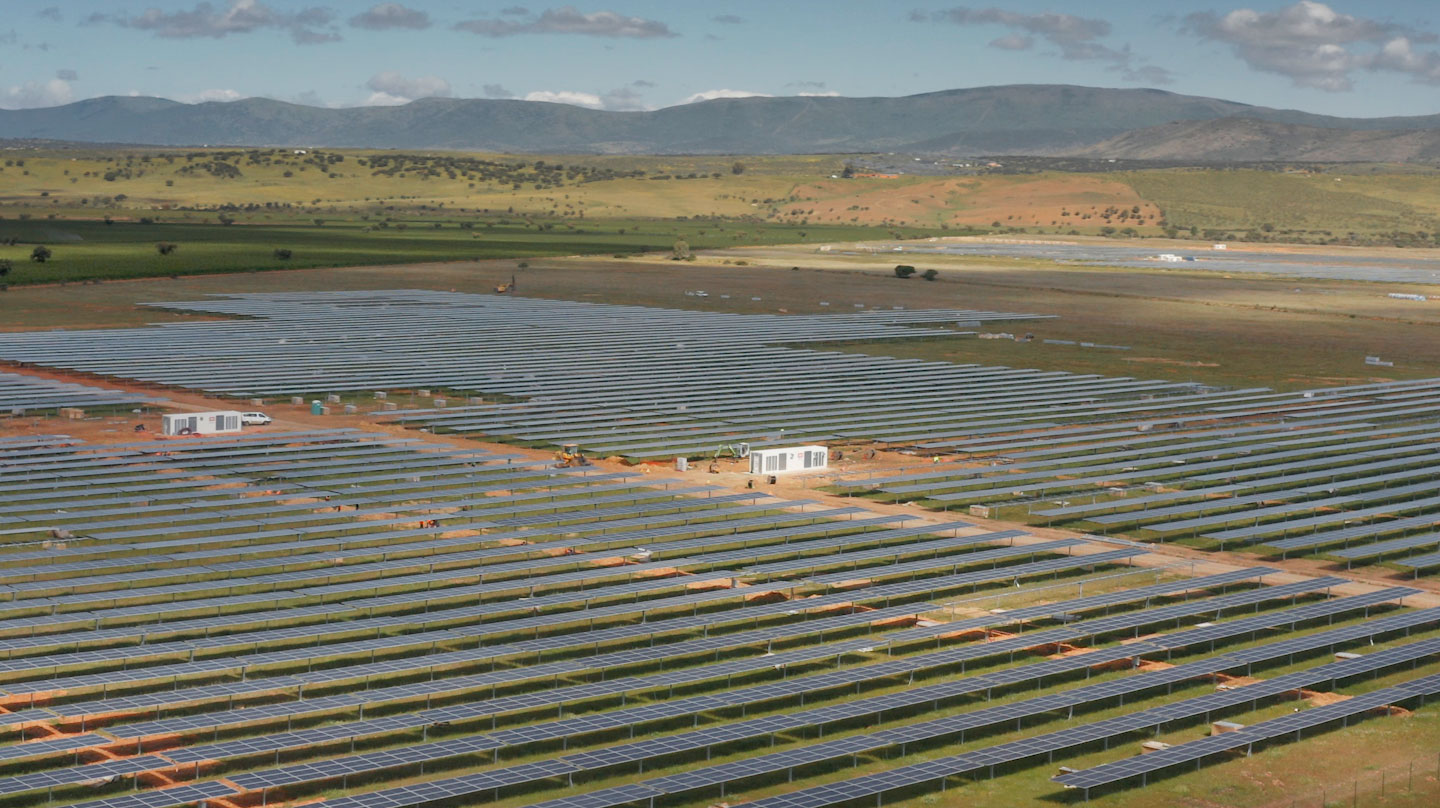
(391, 88)
(211, 95)
(384, 100)
(569, 20)
(1315, 46)
(821, 94)
(1064, 30)
(620, 99)
(1076, 38)
(32, 94)
(307, 26)
(711, 95)
(390, 16)
(571, 97)
(1013, 42)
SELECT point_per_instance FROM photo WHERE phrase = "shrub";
(904, 271)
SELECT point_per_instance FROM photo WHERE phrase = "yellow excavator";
(570, 456)
(506, 288)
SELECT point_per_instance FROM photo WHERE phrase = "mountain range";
(1012, 119)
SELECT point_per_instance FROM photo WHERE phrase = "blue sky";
(1379, 57)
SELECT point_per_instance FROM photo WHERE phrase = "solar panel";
(1247, 737)
(1049, 743)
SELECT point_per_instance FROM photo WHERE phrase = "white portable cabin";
(793, 458)
(200, 423)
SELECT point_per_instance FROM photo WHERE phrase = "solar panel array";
(270, 616)
(22, 393)
(1349, 473)
(622, 380)
(1309, 472)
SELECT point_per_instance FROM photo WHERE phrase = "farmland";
(94, 250)
(102, 212)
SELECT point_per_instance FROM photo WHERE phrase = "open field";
(1284, 333)
(1295, 207)
(336, 208)
(94, 250)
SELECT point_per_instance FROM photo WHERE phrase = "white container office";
(200, 423)
(792, 458)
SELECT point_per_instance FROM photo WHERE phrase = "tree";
(930, 274)
(40, 254)
(737, 168)
(848, 173)
(165, 247)
(5, 266)
(283, 254)
(904, 271)
(681, 251)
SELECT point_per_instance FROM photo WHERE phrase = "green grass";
(94, 250)
(1298, 207)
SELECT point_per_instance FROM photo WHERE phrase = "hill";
(1014, 119)
(1232, 140)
